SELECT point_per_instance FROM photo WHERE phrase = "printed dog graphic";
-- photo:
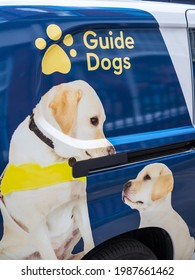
(44, 209)
(150, 194)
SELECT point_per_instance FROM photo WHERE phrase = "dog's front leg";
(42, 243)
(81, 216)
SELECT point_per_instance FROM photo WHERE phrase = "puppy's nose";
(127, 185)
(111, 150)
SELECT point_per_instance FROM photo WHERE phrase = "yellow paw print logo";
(55, 58)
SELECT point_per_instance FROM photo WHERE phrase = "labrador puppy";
(47, 222)
(150, 193)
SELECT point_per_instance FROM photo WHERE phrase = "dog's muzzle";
(111, 150)
(127, 186)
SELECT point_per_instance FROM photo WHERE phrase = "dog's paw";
(89, 246)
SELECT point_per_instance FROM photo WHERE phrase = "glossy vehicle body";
(137, 57)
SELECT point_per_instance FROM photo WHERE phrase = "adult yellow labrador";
(44, 208)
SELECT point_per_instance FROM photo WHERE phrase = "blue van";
(97, 148)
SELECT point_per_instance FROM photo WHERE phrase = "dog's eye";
(147, 177)
(94, 121)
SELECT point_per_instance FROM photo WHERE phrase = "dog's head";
(152, 183)
(75, 109)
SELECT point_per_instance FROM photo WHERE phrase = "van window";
(131, 71)
(128, 65)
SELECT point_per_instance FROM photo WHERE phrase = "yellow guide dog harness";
(33, 176)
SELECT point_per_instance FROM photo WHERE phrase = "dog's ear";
(162, 186)
(64, 107)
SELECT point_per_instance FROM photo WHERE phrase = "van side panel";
(121, 55)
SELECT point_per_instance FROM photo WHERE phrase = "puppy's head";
(152, 183)
(76, 110)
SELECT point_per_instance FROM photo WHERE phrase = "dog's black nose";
(111, 150)
(127, 185)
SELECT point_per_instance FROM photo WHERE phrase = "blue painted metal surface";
(144, 105)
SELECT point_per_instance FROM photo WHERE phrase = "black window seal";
(191, 39)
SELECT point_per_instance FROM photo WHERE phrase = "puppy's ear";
(162, 186)
(64, 107)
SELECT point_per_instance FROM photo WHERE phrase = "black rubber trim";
(84, 167)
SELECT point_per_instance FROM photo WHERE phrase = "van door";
(149, 121)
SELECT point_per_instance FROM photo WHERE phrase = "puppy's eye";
(147, 177)
(94, 121)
